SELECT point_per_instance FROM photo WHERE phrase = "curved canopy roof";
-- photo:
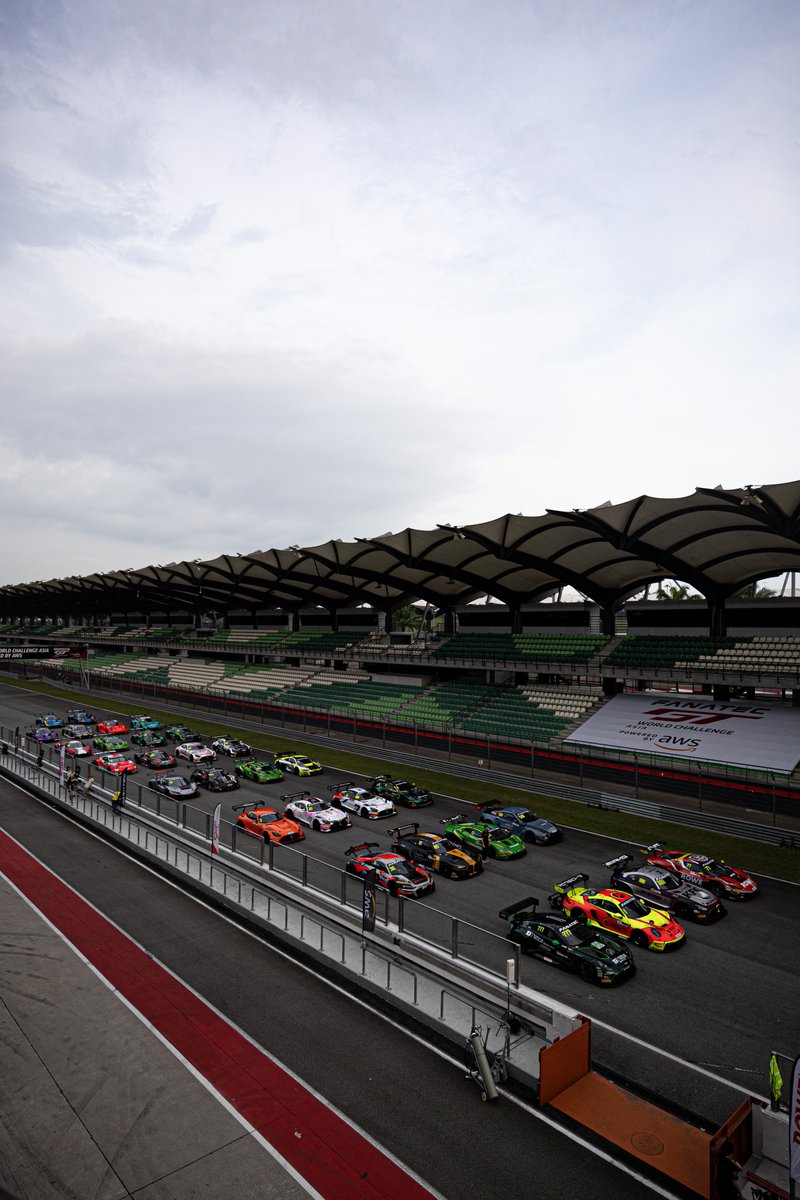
(717, 540)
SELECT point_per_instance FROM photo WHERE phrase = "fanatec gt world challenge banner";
(698, 728)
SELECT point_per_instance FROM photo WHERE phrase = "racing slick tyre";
(315, 825)
(717, 889)
(639, 938)
(587, 973)
(364, 813)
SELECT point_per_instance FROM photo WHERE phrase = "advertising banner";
(794, 1127)
(215, 820)
(699, 728)
(368, 910)
(61, 764)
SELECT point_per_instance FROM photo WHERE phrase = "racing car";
(434, 852)
(76, 731)
(112, 725)
(268, 824)
(76, 748)
(112, 744)
(116, 764)
(302, 806)
(230, 746)
(214, 779)
(665, 889)
(297, 764)
(400, 791)
(712, 873)
(148, 737)
(257, 770)
(570, 944)
(477, 835)
(79, 716)
(393, 873)
(174, 787)
(617, 912)
(181, 733)
(195, 752)
(42, 735)
(49, 720)
(515, 819)
(144, 722)
(156, 760)
(359, 800)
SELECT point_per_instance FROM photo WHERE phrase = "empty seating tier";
(522, 647)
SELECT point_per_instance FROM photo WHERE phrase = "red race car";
(111, 725)
(117, 764)
(75, 748)
(393, 873)
(714, 874)
(617, 912)
(268, 824)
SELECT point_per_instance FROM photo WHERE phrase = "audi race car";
(79, 716)
(75, 748)
(514, 819)
(393, 873)
(617, 912)
(112, 744)
(174, 787)
(664, 889)
(195, 752)
(49, 720)
(483, 837)
(400, 791)
(181, 733)
(712, 873)
(148, 737)
(42, 734)
(112, 725)
(268, 824)
(434, 852)
(116, 764)
(257, 770)
(214, 779)
(231, 746)
(297, 764)
(143, 722)
(359, 800)
(302, 806)
(155, 760)
(570, 944)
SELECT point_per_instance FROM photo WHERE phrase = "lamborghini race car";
(302, 806)
(112, 744)
(214, 779)
(174, 787)
(479, 836)
(359, 800)
(393, 873)
(711, 873)
(155, 760)
(112, 725)
(664, 889)
(42, 734)
(258, 770)
(268, 824)
(195, 752)
(514, 819)
(400, 791)
(434, 852)
(49, 720)
(116, 764)
(143, 722)
(617, 912)
(148, 737)
(298, 764)
(571, 944)
(230, 746)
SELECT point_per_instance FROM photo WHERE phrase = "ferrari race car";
(400, 791)
(297, 764)
(434, 852)
(570, 944)
(112, 725)
(143, 722)
(664, 889)
(712, 873)
(195, 752)
(393, 873)
(359, 800)
(268, 824)
(156, 760)
(257, 770)
(49, 721)
(302, 806)
(477, 835)
(175, 787)
(214, 779)
(112, 744)
(116, 764)
(617, 912)
(512, 818)
(231, 746)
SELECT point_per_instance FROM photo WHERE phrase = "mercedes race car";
(195, 752)
(174, 787)
(156, 760)
(116, 764)
(49, 720)
(268, 824)
(359, 800)
(144, 722)
(214, 779)
(231, 746)
(712, 873)
(664, 889)
(257, 770)
(478, 835)
(400, 791)
(112, 725)
(512, 818)
(393, 873)
(434, 852)
(298, 764)
(112, 744)
(148, 737)
(311, 811)
(570, 944)
(617, 912)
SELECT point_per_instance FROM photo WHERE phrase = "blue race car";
(513, 818)
(49, 721)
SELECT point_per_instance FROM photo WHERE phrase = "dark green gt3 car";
(148, 737)
(494, 843)
(573, 945)
(258, 771)
(400, 790)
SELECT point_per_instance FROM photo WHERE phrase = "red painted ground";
(320, 1146)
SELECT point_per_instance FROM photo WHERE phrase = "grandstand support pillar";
(254, 617)
(516, 620)
(608, 622)
(717, 619)
(449, 622)
(388, 621)
(334, 613)
(795, 697)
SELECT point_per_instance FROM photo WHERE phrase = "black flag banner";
(368, 910)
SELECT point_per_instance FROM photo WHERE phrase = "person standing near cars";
(728, 1170)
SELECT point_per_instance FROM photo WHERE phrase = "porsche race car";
(393, 873)
(568, 943)
(258, 770)
(214, 779)
(434, 852)
(116, 764)
(400, 791)
(711, 873)
(483, 837)
(359, 800)
(268, 824)
(298, 764)
(311, 811)
(513, 818)
(617, 912)
(665, 889)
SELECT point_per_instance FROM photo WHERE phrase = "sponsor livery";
(393, 873)
(714, 874)
(665, 889)
(618, 913)
(569, 944)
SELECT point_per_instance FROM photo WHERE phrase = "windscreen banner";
(698, 728)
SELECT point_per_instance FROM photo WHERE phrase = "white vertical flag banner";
(61, 764)
(794, 1127)
(215, 830)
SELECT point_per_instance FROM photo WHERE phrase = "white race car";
(302, 806)
(359, 800)
(195, 752)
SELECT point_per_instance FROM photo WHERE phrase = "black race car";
(156, 760)
(596, 957)
(173, 786)
(401, 791)
(182, 733)
(223, 744)
(214, 779)
(665, 889)
(434, 852)
(393, 873)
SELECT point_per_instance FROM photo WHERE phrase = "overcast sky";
(274, 273)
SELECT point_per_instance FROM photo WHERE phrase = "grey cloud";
(198, 223)
(31, 215)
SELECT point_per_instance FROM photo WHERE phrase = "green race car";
(298, 764)
(148, 737)
(495, 843)
(258, 771)
(110, 744)
(400, 790)
(182, 733)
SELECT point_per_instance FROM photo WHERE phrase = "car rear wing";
(364, 848)
(295, 795)
(620, 861)
(489, 805)
(402, 830)
(657, 846)
(339, 787)
(573, 881)
(451, 820)
(241, 807)
(529, 904)
(381, 779)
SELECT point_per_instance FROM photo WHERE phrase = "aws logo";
(678, 745)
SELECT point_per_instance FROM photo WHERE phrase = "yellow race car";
(618, 912)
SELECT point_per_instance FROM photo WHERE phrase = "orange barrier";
(565, 1062)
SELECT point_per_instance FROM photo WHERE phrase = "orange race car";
(268, 824)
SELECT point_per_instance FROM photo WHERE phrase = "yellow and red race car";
(618, 912)
(268, 824)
